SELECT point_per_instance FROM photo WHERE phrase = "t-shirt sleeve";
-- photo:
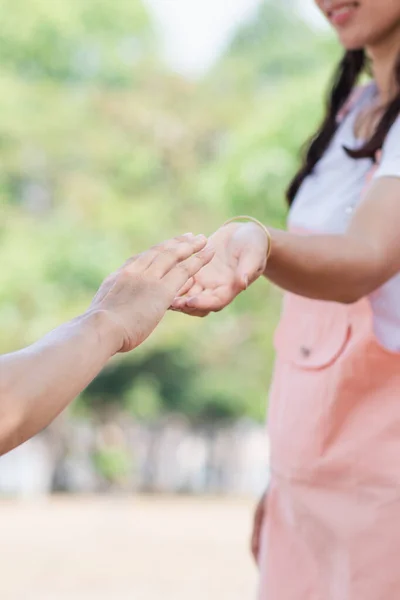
(389, 165)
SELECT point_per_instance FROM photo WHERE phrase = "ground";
(126, 549)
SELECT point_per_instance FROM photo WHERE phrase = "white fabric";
(327, 199)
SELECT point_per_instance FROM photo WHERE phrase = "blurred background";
(122, 124)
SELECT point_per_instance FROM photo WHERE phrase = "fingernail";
(246, 281)
(188, 234)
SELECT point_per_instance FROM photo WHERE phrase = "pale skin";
(38, 382)
(341, 268)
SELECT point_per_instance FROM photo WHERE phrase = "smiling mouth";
(340, 14)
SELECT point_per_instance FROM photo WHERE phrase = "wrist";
(108, 332)
(257, 225)
(278, 242)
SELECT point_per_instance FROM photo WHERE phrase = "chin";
(353, 42)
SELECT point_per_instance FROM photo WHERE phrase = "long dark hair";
(350, 68)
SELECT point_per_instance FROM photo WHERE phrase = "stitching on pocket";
(315, 340)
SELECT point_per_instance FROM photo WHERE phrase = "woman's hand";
(240, 258)
(259, 516)
(137, 296)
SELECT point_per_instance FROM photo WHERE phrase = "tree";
(103, 152)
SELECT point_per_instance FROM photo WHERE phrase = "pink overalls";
(332, 530)
(333, 516)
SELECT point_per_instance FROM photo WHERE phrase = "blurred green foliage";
(103, 152)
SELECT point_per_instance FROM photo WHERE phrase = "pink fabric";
(333, 518)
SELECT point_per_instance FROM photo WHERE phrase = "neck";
(384, 56)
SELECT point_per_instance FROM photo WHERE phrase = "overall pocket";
(310, 342)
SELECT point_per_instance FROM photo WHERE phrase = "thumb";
(249, 267)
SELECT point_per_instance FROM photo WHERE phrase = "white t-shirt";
(327, 199)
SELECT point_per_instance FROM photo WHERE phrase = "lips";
(342, 12)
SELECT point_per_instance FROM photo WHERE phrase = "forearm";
(38, 382)
(340, 268)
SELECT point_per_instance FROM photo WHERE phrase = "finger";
(204, 303)
(258, 517)
(129, 261)
(212, 302)
(187, 291)
(189, 285)
(193, 312)
(252, 545)
(196, 289)
(249, 268)
(199, 314)
(257, 527)
(255, 550)
(173, 253)
(140, 262)
(255, 539)
(177, 277)
(179, 303)
(255, 544)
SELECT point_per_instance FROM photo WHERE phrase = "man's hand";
(138, 295)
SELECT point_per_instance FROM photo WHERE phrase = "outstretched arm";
(339, 268)
(38, 382)
(343, 268)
